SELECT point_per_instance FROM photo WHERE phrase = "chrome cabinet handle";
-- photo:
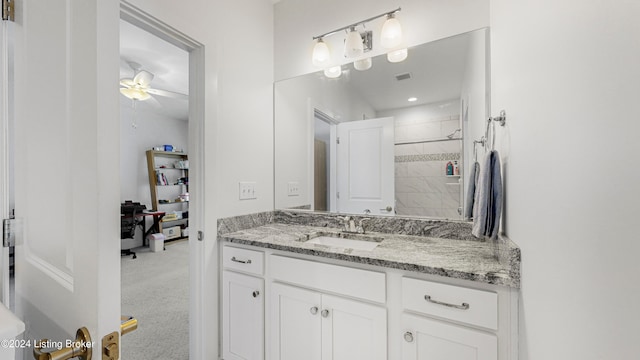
(464, 306)
(313, 310)
(248, 261)
(325, 313)
(387, 209)
(408, 336)
(256, 294)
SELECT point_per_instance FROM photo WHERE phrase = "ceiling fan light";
(353, 46)
(134, 94)
(321, 55)
(391, 35)
(363, 64)
(397, 56)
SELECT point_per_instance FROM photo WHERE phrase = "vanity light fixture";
(333, 72)
(357, 43)
(363, 64)
(391, 35)
(321, 56)
(412, 99)
(396, 56)
(353, 46)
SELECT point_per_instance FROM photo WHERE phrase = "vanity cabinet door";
(295, 331)
(353, 330)
(426, 339)
(243, 317)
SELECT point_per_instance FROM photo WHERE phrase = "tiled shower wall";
(421, 185)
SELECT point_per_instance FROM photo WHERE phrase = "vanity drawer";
(343, 280)
(471, 306)
(248, 261)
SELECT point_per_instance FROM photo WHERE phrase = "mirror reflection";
(396, 139)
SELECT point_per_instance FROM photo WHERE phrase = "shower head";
(450, 136)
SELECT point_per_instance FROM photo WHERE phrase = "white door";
(426, 339)
(295, 323)
(66, 169)
(352, 330)
(366, 172)
(242, 317)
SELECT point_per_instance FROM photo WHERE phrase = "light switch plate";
(247, 190)
(293, 188)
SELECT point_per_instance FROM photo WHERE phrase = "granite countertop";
(486, 262)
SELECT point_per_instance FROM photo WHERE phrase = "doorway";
(172, 115)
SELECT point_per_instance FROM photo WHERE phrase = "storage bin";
(171, 233)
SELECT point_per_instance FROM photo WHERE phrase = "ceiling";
(168, 63)
(437, 71)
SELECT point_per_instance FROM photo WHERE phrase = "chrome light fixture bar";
(388, 14)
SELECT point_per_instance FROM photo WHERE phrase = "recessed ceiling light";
(412, 99)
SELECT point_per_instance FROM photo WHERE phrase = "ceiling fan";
(139, 87)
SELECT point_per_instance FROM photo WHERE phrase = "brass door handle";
(80, 348)
(127, 324)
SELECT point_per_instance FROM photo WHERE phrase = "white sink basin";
(344, 243)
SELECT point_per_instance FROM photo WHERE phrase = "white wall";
(238, 82)
(567, 73)
(297, 22)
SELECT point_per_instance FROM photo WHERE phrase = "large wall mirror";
(396, 139)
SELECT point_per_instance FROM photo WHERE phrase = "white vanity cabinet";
(428, 339)
(309, 325)
(279, 305)
(243, 305)
(312, 318)
(425, 338)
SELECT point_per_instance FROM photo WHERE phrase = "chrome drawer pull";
(248, 261)
(464, 306)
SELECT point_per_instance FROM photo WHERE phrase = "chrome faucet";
(360, 229)
(350, 225)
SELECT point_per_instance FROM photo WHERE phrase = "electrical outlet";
(293, 188)
(247, 190)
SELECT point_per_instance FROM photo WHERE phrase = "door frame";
(197, 271)
(316, 112)
(5, 160)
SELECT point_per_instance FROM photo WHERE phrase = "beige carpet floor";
(155, 290)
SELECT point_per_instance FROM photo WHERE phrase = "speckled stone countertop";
(487, 262)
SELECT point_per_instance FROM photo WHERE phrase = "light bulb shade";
(397, 55)
(333, 72)
(363, 64)
(135, 94)
(391, 35)
(353, 46)
(321, 55)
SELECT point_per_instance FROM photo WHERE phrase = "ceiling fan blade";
(143, 78)
(154, 103)
(167, 93)
(127, 82)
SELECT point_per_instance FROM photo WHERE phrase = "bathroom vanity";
(286, 296)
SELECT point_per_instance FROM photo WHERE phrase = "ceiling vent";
(404, 76)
